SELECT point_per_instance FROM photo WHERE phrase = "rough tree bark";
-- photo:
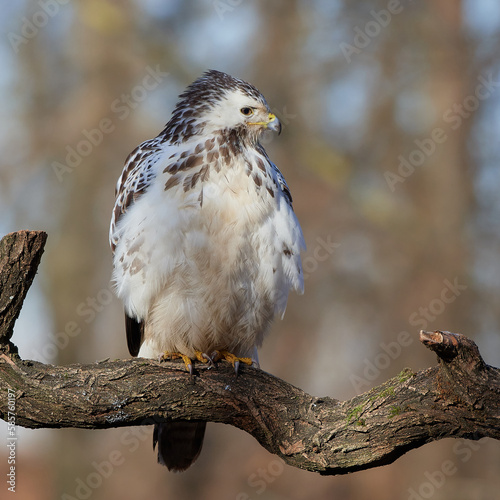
(459, 398)
(20, 254)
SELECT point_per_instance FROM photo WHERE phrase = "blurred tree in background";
(391, 114)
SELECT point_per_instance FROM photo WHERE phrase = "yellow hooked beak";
(272, 123)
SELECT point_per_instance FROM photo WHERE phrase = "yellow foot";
(199, 356)
(234, 360)
(177, 355)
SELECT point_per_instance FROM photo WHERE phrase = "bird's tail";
(179, 443)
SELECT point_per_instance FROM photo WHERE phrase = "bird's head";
(216, 102)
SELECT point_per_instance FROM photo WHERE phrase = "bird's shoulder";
(277, 177)
(137, 175)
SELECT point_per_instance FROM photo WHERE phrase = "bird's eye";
(246, 111)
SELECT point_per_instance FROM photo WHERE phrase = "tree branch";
(458, 398)
(20, 254)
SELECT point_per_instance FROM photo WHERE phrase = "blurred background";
(391, 147)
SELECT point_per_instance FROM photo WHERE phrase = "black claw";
(209, 359)
(236, 367)
(212, 359)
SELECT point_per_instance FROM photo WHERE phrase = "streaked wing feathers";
(137, 175)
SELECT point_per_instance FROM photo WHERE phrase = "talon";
(178, 355)
(234, 360)
(204, 358)
(211, 359)
(214, 357)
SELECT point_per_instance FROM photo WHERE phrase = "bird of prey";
(206, 245)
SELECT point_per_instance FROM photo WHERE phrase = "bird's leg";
(233, 359)
(205, 358)
(199, 356)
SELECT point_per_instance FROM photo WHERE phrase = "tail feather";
(179, 443)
